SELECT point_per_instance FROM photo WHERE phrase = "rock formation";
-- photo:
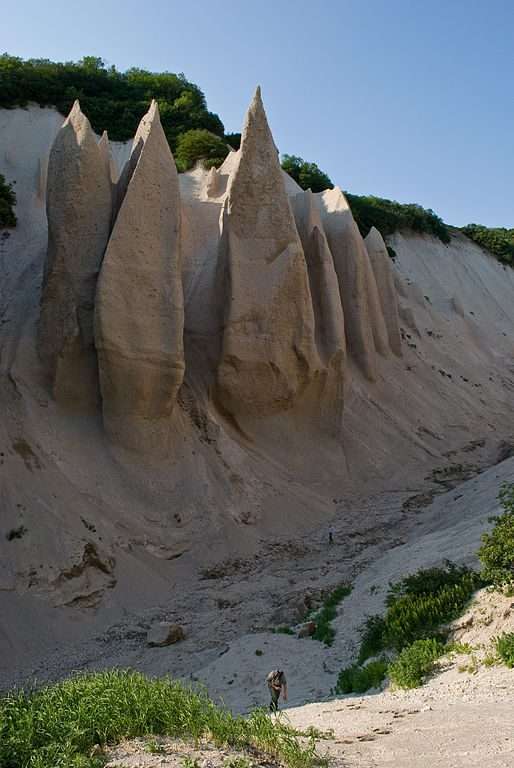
(139, 302)
(383, 272)
(326, 298)
(79, 217)
(351, 265)
(268, 353)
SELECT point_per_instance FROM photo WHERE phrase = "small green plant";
(190, 762)
(7, 203)
(505, 648)
(497, 240)
(415, 662)
(497, 550)
(356, 679)
(258, 652)
(237, 762)
(324, 631)
(460, 648)
(284, 631)
(471, 667)
(490, 660)
(154, 748)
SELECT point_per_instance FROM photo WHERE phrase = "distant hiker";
(330, 535)
(277, 684)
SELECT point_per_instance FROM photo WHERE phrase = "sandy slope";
(111, 542)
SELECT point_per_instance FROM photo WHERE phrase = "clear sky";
(405, 99)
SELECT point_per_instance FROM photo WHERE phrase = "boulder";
(268, 352)
(307, 630)
(139, 316)
(78, 202)
(384, 276)
(164, 634)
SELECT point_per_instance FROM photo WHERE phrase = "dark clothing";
(276, 679)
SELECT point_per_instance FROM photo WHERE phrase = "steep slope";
(103, 530)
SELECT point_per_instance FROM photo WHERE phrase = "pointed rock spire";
(78, 204)
(350, 261)
(139, 316)
(268, 352)
(326, 298)
(383, 271)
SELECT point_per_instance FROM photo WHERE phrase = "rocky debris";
(383, 272)
(351, 265)
(163, 634)
(139, 302)
(78, 205)
(268, 353)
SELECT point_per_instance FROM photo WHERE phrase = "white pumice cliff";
(195, 365)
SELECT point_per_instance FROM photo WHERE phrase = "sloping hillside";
(99, 530)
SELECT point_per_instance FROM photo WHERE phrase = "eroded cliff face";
(78, 202)
(139, 315)
(221, 461)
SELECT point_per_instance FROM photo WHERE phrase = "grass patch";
(324, 632)
(356, 679)
(415, 662)
(284, 631)
(417, 608)
(59, 725)
(505, 648)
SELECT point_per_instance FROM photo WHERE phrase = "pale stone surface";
(139, 303)
(350, 261)
(383, 271)
(268, 354)
(328, 308)
(79, 217)
(164, 634)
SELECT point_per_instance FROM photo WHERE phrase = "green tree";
(113, 101)
(7, 203)
(200, 144)
(307, 175)
(389, 216)
(497, 240)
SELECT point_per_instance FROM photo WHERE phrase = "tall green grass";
(418, 608)
(59, 725)
(324, 631)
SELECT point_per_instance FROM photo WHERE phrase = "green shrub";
(415, 662)
(497, 550)
(7, 203)
(58, 725)
(199, 144)
(113, 101)
(356, 679)
(417, 607)
(307, 175)
(388, 216)
(372, 641)
(497, 240)
(505, 648)
(324, 631)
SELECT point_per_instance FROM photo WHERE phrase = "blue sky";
(403, 99)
